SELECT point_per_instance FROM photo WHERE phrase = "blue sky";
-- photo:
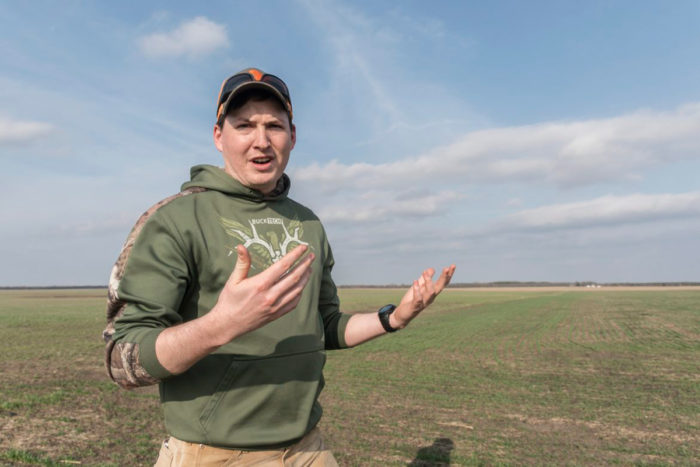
(552, 141)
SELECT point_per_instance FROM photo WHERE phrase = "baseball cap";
(251, 78)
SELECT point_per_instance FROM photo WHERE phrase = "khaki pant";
(309, 451)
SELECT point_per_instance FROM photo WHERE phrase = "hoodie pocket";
(264, 401)
(215, 399)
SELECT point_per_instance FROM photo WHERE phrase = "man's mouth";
(261, 160)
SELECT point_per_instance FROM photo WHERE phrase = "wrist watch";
(384, 313)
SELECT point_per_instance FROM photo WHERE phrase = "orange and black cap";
(251, 78)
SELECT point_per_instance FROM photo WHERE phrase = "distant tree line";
(52, 287)
(460, 285)
(496, 284)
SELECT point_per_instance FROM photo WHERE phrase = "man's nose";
(261, 138)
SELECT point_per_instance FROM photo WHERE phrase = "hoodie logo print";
(267, 239)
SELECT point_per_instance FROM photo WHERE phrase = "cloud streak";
(352, 39)
(194, 38)
(467, 201)
(377, 205)
(556, 153)
(608, 210)
(16, 131)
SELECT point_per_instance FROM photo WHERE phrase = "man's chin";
(266, 187)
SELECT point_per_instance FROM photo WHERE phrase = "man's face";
(256, 140)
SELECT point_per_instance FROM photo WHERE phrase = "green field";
(509, 377)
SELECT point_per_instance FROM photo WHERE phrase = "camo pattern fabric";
(122, 358)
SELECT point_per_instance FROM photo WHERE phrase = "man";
(238, 351)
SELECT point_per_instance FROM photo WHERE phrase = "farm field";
(484, 377)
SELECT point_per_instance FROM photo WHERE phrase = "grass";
(580, 377)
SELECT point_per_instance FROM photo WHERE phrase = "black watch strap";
(384, 313)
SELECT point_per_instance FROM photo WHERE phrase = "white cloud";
(367, 211)
(608, 210)
(609, 233)
(556, 153)
(377, 206)
(14, 131)
(196, 37)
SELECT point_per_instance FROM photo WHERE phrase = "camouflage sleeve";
(122, 360)
(123, 365)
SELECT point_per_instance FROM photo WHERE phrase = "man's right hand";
(248, 303)
(244, 304)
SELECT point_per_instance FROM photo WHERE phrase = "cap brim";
(286, 105)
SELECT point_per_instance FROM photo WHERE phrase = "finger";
(304, 262)
(272, 274)
(240, 271)
(292, 277)
(417, 294)
(290, 298)
(422, 280)
(429, 285)
(450, 272)
(445, 278)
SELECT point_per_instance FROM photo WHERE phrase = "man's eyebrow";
(274, 119)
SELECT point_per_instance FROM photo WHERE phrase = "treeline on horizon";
(459, 285)
(466, 285)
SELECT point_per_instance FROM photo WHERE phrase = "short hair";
(256, 95)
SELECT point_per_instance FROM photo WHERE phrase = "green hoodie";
(261, 389)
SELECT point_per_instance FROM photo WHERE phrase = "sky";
(523, 141)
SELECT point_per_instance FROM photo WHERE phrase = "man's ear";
(217, 137)
(294, 135)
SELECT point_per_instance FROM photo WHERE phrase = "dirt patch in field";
(603, 430)
(72, 413)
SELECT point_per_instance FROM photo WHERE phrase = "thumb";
(408, 296)
(240, 271)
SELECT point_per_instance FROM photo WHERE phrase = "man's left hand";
(419, 296)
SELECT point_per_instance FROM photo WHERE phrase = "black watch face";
(387, 309)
